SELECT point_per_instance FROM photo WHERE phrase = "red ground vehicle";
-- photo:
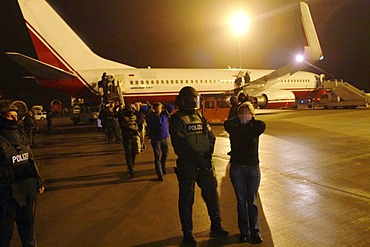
(215, 110)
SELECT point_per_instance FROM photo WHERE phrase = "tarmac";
(315, 186)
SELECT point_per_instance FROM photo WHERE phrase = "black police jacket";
(192, 138)
(16, 159)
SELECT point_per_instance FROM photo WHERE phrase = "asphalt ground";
(315, 186)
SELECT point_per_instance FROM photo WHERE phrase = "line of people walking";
(130, 124)
(193, 143)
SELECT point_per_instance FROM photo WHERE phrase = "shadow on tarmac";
(69, 151)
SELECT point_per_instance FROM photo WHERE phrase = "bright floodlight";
(240, 23)
(299, 58)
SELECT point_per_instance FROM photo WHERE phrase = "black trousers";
(131, 148)
(208, 184)
(10, 213)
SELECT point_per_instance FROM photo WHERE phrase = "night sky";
(195, 34)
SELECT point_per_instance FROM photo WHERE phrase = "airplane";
(65, 63)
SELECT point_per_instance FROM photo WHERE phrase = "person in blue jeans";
(245, 175)
(157, 122)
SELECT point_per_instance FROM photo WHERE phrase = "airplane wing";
(288, 69)
(261, 84)
(40, 70)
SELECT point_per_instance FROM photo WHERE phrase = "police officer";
(193, 143)
(130, 126)
(30, 127)
(234, 104)
(242, 97)
(49, 115)
(19, 179)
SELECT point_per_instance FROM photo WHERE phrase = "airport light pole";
(240, 24)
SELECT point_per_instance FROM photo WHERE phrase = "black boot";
(132, 171)
(256, 239)
(219, 230)
(189, 239)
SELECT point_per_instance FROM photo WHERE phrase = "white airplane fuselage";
(164, 84)
(67, 64)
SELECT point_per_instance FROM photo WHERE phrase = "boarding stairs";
(346, 91)
(111, 91)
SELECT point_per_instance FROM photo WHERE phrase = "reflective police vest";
(14, 155)
(15, 159)
(131, 125)
(196, 132)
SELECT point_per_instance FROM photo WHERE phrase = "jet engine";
(260, 101)
(273, 99)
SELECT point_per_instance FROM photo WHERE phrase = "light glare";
(240, 23)
(299, 58)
